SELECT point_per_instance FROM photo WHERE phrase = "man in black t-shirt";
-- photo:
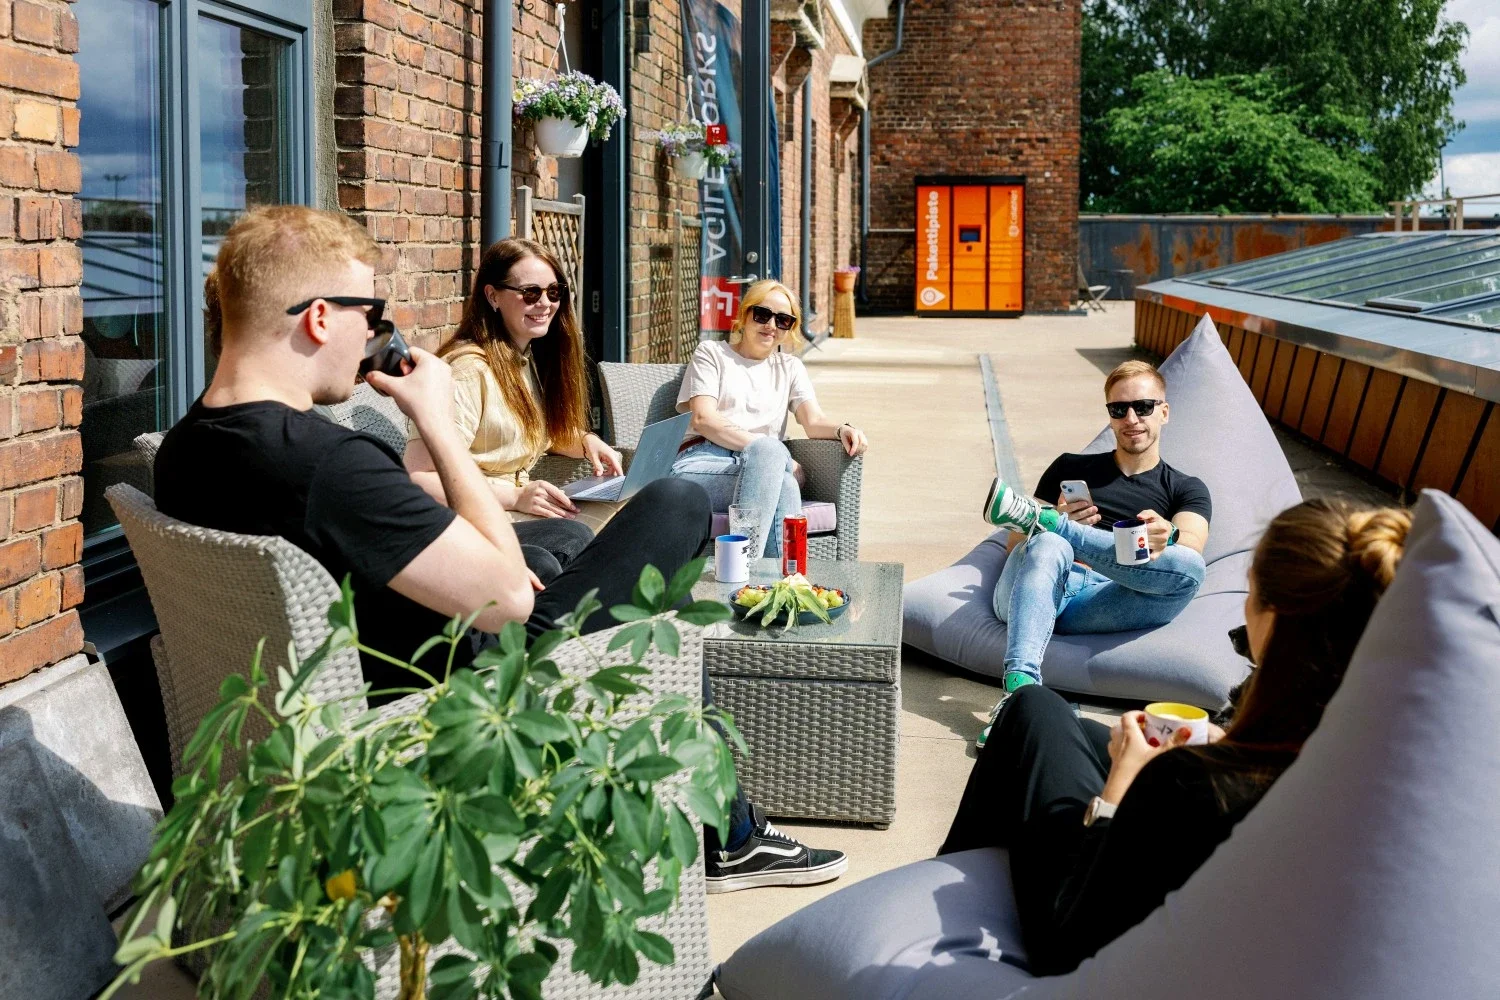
(292, 303)
(1062, 574)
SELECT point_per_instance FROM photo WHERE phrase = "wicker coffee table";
(819, 705)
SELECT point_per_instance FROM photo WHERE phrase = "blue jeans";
(759, 477)
(1042, 588)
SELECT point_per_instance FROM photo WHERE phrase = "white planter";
(694, 165)
(561, 138)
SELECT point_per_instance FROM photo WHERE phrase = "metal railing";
(1455, 218)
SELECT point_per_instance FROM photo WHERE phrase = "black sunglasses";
(1142, 408)
(377, 306)
(762, 315)
(532, 294)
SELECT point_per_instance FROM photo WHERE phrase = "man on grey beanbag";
(1062, 573)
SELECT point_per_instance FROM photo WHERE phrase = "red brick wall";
(658, 96)
(41, 356)
(980, 87)
(834, 215)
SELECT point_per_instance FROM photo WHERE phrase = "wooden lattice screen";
(558, 226)
(689, 285)
(673, 311)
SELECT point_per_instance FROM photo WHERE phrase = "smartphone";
(1074, 490)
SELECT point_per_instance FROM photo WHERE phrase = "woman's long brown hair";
(1321, 567)
(559, 356)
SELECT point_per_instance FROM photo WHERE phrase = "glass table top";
(873, 618)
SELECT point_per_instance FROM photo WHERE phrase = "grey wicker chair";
(216, 594)
(639, 394)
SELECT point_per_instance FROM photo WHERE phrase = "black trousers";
(549, 544)
(1028, 792)
(665, 525)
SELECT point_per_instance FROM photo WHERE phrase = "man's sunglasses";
(532, 294)
(762, 315)
(377, 306)
(1142, 408)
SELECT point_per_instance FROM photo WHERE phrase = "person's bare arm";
(709, 423)
(476, 562)
(817, 424)
(1192, 531)
(418, 462)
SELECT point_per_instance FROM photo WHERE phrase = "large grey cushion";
(947, 924)
(1369, 869)
(1217, 433)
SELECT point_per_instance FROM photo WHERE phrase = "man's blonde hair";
(276, 256)
(1134, 369)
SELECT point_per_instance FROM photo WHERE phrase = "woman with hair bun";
(1100, 825)
(739, 393)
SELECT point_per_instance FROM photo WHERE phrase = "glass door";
(190, 112)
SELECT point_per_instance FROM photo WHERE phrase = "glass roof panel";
(1401, 261)
(1451, 275)
(1482, 313)
(1234, 273)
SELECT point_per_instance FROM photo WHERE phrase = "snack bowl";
(743, 612)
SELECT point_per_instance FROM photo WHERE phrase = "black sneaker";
(770, 857)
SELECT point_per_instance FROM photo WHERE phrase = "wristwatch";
(1172, 538)
(1098, 809)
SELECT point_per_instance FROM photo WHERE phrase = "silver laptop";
(653, 459)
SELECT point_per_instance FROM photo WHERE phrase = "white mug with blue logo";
(1130, 542)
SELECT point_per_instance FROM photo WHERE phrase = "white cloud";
(1477, 102)
(1471, 173)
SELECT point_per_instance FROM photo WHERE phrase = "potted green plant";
(500, 809)
(685, 143)
(567, 110)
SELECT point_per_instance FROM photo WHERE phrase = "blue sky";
(1472, 160)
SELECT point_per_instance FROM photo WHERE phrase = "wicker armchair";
(216, 594)
(639, 394)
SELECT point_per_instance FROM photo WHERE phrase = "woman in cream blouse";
(520, 391)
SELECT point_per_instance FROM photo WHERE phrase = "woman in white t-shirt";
(739, 393)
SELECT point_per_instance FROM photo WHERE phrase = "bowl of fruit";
(788, 602)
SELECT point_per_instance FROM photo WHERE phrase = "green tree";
(1392, 63)
(1232, 143)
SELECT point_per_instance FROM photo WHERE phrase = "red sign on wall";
(718, 300)
(716, 135)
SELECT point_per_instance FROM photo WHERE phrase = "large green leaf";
(681, 836)
(541, 727)
(470, 858)
(655, 947)
(629, 814)
(426, 882)
(651, 768)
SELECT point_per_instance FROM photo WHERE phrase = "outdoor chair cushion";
(822, 517)
(1362, 873)
(1217, 433)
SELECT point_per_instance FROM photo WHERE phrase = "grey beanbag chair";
(1368, 870)
(1217, 433)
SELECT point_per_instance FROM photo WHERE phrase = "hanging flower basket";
(567, 110)
(685, 142)
(561, 138)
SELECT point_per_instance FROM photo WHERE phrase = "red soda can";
(793, 545)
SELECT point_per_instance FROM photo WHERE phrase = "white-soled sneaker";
(770, 857)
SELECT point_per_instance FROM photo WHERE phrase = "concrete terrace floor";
(915, 386)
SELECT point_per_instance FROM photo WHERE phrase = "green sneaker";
(1007, 508)
(1013, 681)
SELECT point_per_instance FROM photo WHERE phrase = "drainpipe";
(806, 242)
(864, 159)
(495, 147)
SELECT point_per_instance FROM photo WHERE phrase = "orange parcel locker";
(970, 248)
(934, 249)
(1007, 247)
(971, 245)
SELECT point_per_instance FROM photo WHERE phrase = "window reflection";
(241, 125)
(124, 336)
